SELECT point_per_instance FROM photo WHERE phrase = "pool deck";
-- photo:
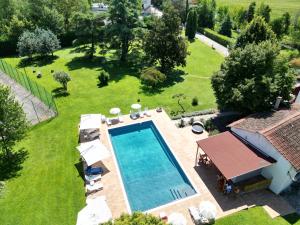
(183, 145)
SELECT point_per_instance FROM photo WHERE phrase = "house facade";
(275, 135)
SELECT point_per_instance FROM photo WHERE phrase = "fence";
(34, 88)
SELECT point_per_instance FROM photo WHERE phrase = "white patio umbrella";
(177, 219)
(136, 106)
(208, 210)
(90, 121)
(93, 151)
(114, 111)
(96, 212)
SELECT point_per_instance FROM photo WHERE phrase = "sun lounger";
(108, 121)
(96, 187)
(93, 170)
(133, 115)
(92, 178)
(195, 214)
(141, 114)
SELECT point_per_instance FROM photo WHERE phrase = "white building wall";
(281, 171)
(146, 4)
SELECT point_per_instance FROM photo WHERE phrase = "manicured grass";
(278, 6)
(257, 216)
(49, 189)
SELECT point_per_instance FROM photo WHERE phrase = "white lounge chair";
(146, 112)
(92, 178)
(108, 121)
(133, 115)
(195, 214)
(141, 113)
(96, 187)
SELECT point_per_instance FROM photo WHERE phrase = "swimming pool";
(151, 175)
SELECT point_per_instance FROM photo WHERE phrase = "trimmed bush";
(221, 39)
(152, 77)
(63, 78)
(194, 101)
(136, 218)
(103, 78)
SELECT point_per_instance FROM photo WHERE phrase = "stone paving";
(183, 145)
(219, 48)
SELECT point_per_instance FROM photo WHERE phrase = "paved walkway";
(35, 110)
(219, 48)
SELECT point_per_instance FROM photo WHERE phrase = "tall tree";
(251, 78)
(13, 124)
(239, 17)
(278, 26)
(191, 24)
(286, 21)
(226, 26)
(264, 11)
(251, 11)
(124, 21)
(256, 31)
(164, 43)
(88, 29)
(206, 14)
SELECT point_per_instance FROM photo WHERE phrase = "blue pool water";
(151, 175)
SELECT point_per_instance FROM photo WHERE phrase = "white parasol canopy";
(177, 219)
(90, 121)
(114, 111)
(136, 106)
(208, 210)
(96, 212)
(93, 151)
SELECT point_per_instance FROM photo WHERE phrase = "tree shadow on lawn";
(37, 61)
(292, 218)
(12, 164)
(60, 92)
(85, 62)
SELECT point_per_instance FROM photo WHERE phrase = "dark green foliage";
(103, 78)
(278, 26)
(191, 24)
(152, 77)
(206, 14)
(124, 21)
(256, 31)
(221, 39)
(157, 3)
(137, 218)
(226, 26)
(13, 124)
(180, 7)
(164, 44)
(239, 17)
(63, 78)
(251, 78)
(88, 29)
(39, 41)
(264, 11)
(195, 101)
(287, 22)
(251, 12)
(222, 13)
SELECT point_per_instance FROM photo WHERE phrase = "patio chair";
(133, 115)
(92, 188)
(108, 121)
(146, 112)
(92, 178)
(194, 212)
(93, 170)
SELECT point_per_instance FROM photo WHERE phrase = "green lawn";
(257, 216)
(278, 6)
(49, 189)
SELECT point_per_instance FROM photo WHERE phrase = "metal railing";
(35, 89)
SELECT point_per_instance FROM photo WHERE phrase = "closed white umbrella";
(136, 106)
(114, 111)
(208, 210)
(93, 151)
(96, 212)
(177, 219)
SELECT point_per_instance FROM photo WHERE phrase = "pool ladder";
(179, 193)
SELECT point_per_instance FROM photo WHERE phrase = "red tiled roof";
(280, 128)
(231, 156)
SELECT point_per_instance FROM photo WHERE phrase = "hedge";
(219, 38)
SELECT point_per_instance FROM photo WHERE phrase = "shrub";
(136, 218)
(152, 77)
(194, 101)
(103, 78)
(63, 78)
(221, 39)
